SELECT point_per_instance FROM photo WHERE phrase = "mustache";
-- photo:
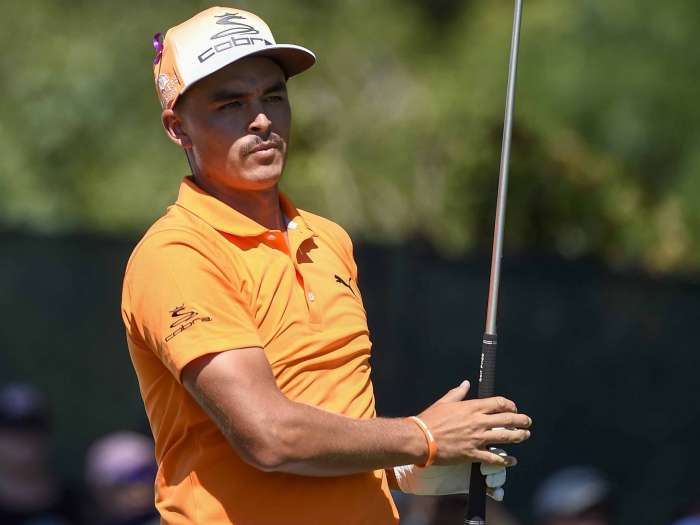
(273, 140)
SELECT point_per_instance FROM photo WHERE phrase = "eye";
(234, 104)
(274, 98)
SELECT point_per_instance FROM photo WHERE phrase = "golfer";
(246, 327)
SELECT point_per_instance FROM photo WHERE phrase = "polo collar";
(222, 217)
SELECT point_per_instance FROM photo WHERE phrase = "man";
(246, 326)
(30, 492)
(578, 495)
(119, 473)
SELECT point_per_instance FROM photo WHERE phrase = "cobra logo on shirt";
(184, 318)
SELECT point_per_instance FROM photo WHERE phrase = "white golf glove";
(438, 480)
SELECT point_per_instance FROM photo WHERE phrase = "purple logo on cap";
(158, 46)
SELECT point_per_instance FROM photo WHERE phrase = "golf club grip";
(487, 370)
(476, 506)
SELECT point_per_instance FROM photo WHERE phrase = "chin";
(263, 176)
(260, 180)
(253, 174)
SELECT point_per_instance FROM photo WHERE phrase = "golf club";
(476, 507)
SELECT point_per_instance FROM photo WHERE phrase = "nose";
(260, 125)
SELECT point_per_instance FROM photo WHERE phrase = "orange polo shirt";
(206, 279)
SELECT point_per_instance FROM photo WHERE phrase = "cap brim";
(292, 59)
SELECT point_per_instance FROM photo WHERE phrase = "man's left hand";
(440, 480)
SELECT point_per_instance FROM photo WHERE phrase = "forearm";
(273, 433)
(316, 442)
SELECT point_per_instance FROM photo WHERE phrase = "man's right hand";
(464, 430)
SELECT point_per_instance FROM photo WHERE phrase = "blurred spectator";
(573, 496)
(415, 510)
(30, 493)
(119, 473)
(690, 513)
(445, 510)
(451, 509)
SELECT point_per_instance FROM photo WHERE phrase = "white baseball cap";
(211, 40)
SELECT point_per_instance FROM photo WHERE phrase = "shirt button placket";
(310, 295)
(312, 302)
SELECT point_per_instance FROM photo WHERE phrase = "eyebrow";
(227, 94)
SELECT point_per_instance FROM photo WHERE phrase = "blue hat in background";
(688, 521)
(570, 492)
(120, 458)
(22, 406)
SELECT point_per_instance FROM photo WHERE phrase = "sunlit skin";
(234, 126)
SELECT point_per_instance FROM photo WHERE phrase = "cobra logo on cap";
(237, 35)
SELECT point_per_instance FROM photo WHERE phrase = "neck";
(261, 206)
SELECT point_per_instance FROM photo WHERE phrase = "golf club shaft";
(476, 508)
(497, 254)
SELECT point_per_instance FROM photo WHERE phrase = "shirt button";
(292, 225)
(311, 296)
(271, 237)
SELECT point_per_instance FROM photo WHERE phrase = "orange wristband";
(432, 444)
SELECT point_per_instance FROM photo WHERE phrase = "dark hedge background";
(606, 363)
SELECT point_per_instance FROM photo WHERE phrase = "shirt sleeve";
(350, 256)
(182, 301)
(348, 253)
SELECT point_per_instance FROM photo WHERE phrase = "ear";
(173, 125)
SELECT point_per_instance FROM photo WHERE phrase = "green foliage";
(397, 128)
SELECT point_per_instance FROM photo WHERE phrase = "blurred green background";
(397, 128)
(397, 137)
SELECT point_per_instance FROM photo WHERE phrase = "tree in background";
(397, 128)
